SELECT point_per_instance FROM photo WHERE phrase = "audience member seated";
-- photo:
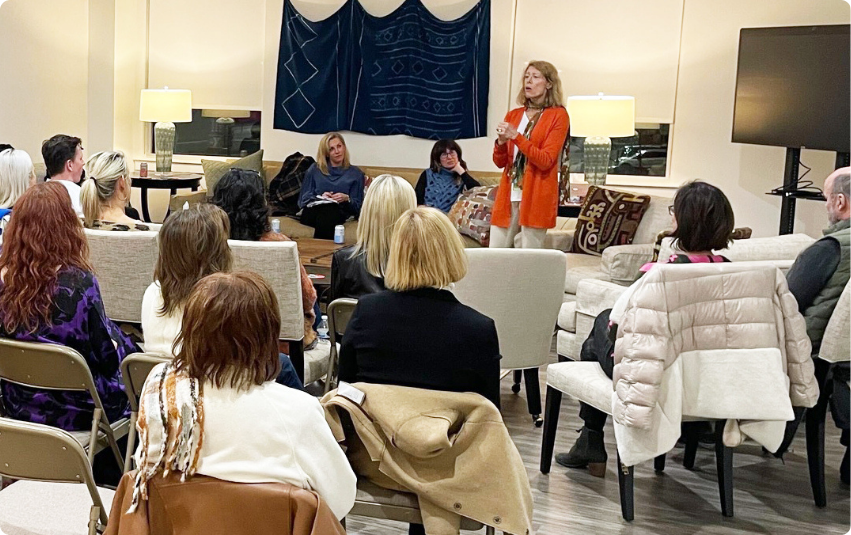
(359, 269)
(238, 424)
(332, 190)
(5, 146)
(16, 175)
(446, 178)
(193, 243)
(63, 160)
(703, 221)
(106, 193)
(416, 333)
(241, 194)
(48, 293)
(817, 279)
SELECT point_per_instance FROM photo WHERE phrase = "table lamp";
(598, 119)
(165, 107)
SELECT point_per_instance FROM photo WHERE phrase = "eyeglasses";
(449, 154)
(671, 209)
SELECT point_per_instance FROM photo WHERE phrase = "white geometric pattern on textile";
(298, 91)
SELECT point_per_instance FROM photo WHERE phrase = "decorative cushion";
(214, 170)
(607, 218)
(471, 213)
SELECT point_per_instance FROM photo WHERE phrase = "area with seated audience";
(433, 267)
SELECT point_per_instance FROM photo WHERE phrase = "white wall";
(44, 82)
(704, 112)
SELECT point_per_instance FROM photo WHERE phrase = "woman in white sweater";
(223, 414)
(193, 243)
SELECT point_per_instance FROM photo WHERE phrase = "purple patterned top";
(79, 322)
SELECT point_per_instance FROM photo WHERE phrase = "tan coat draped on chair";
(451, 449)
(203, 505)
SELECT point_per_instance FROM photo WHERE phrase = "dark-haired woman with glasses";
(446, 178)
(703, 221)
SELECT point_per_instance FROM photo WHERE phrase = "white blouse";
(159, 331)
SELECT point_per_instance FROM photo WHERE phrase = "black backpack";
(286, 186)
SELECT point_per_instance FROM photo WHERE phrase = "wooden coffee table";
(316, 256)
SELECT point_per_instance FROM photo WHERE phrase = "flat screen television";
(792, 87)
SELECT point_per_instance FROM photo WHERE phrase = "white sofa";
(595, 294)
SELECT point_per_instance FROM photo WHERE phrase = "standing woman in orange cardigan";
(527, 148)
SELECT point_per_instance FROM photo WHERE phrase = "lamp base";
(164, 144)
(598, 149)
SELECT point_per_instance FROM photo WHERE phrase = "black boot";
(844, 469)
(588, 451)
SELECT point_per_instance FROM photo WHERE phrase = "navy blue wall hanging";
(405, 73)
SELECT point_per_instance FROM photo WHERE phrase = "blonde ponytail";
(104, 169)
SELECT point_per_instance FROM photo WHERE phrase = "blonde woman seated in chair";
(106, 193)
(359, 269)
(238, 424)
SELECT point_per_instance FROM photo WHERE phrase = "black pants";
(598, 347)
(324, 217)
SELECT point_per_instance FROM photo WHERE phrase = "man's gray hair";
(842, 184)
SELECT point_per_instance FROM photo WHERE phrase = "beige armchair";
(596, 293)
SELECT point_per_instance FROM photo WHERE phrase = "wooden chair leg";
(659, 463)
(517, 375)
(724, 462)
(626, 487)
(815, 452)
(533, 395)
(550, 425)
(690, 434)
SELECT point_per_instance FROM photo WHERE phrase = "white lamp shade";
(166, 105)
(603, 115)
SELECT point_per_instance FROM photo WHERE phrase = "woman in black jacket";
(417, 333)
(446, 178)
(359, 269)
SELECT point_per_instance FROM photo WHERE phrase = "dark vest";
(818, 314)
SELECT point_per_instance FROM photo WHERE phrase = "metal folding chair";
(339, 313)
(135, 369)
(57, 367)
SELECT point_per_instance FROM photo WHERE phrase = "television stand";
(790, 192)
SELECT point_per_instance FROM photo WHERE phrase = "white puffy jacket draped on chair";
(723, 341)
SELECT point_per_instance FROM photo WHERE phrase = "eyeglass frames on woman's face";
(449, 154)
(671, 209)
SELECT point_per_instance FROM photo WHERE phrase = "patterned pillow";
(607, 217)
(214, 170)
(471, 213)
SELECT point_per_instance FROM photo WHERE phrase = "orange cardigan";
(539, 205)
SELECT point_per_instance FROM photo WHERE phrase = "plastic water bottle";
(322, 329)
(339, 234)
(276, 226)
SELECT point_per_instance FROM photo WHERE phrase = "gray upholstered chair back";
(124, 266)
(278, 263)
(521, 290)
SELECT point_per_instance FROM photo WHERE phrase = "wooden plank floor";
(769, 496)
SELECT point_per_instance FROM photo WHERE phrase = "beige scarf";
(170, 426)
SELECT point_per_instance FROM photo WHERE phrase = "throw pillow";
(214, 170)
(471, 213)
(607, 217)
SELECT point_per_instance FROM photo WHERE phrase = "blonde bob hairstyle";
(554, 95)
(426, 251)
(323, 152)
(16, 175)
(105, 170)
(387, 198)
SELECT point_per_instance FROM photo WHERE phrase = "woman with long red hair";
(48, 293)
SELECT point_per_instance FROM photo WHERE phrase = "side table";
(170, 181)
